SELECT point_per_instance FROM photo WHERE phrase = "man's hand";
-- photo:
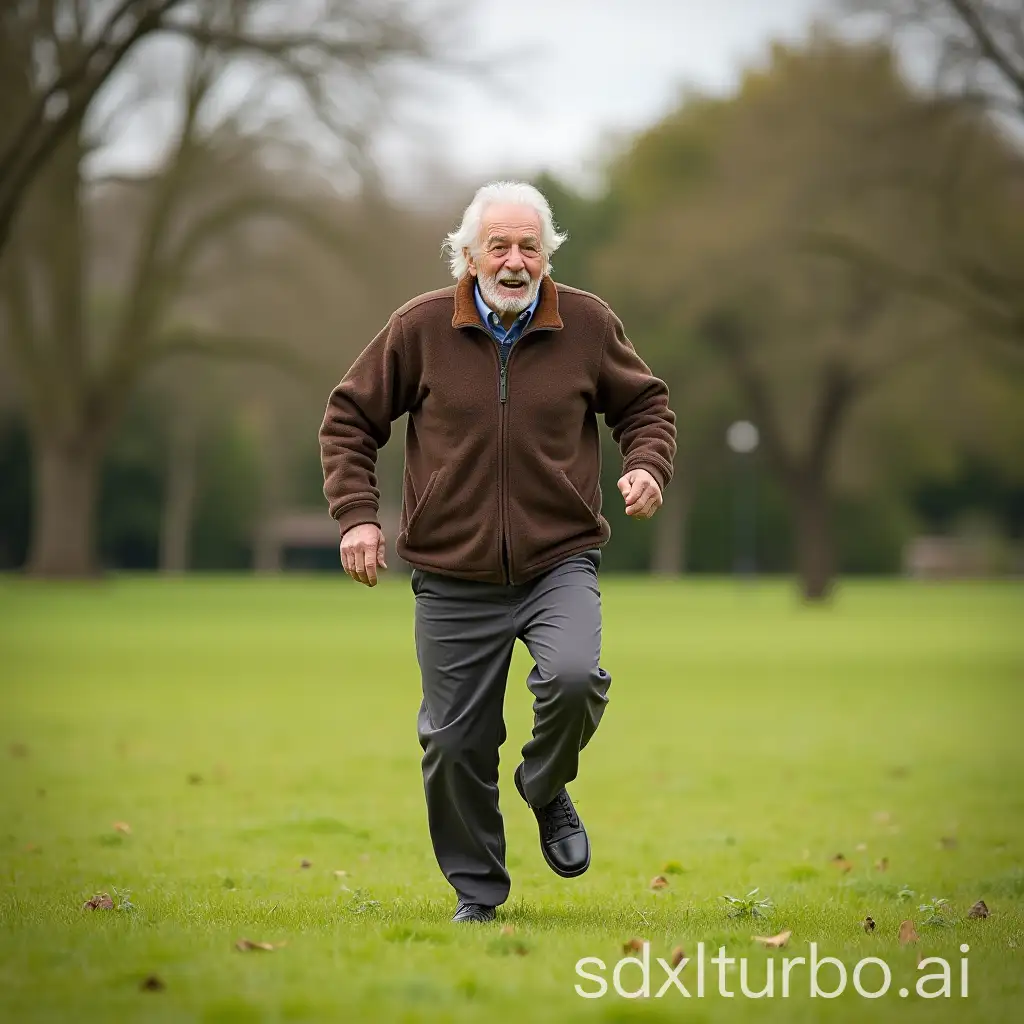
(362, 550)
(642, 493)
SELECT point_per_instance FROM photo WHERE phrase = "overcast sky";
(578, 71)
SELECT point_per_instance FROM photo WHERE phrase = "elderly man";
(503, 376)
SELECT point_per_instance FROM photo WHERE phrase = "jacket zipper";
(506, 547)
(504, 355)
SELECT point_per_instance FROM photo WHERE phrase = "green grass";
(748, 738)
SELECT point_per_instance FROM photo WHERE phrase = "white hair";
(520, 193)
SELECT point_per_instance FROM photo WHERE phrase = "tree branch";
(966, 297)
(188, 341)
(975, 24)
(34, 142)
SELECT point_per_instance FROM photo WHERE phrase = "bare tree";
(976, 49)
(81, 347)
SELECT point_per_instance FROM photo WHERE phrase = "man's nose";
(515, 259)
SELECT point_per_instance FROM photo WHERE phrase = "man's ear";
(469, 259)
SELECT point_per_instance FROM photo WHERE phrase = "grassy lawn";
(241, 727)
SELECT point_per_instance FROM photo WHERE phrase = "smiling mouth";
(513, 285)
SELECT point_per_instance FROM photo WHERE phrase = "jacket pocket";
(425, 497)
(591, 514)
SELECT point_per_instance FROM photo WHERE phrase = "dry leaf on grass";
(123, 827)
(507, 929)
(659, 882)
(247, 945)
(340, 873)
(868, 924)
(980, 909)
(882, 864)
(883, 817)
(861, 847)
(194, 778)
(152, 984)
(101, 901)
(678, 956)
(305, 863)
(948, 842)
(633, 945)
(842, 863)
(773, 941)
(908, 933)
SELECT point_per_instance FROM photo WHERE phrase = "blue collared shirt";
(493, 322)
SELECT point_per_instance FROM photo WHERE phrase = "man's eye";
(499, 249)
(531, 249)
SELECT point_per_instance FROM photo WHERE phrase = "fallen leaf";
(882, 864)
(152, 984)
(101, 901)
(364, 857)
(194, 778)
(677, 956)
(507, 929)
(123, 827)
(978, 910)
(883, 817)
(306, 863)
(842, 863)
(908, 933)
(948, 843)
(861, 847)
(659, 882)
(247, 945)
(18, 750)
(868, 924)
(634, 945)
(774, 941)
(340, 873)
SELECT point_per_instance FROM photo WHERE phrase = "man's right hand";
(362, 550)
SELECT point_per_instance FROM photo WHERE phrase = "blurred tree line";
(828, 252)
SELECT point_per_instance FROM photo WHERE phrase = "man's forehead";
(510, 221)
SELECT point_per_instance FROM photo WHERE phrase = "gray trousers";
(465, 632)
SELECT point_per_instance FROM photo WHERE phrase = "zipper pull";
(504, 384)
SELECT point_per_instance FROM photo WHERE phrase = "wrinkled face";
(508, 261)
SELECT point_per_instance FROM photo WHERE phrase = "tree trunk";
(668, 554)
(179, 500)
(814, 552)
(66, 479)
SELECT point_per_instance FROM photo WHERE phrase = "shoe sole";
(543, 849)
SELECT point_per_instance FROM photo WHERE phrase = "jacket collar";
(545, 316)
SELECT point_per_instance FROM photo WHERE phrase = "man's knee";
(575, 682)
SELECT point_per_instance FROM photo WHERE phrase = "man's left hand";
(642, 493)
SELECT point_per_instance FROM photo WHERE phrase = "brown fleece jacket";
(502, 468)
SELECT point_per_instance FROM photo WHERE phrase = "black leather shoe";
(473, 912)
(563, 839)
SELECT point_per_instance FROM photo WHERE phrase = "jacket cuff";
(357, 515)
(654, 468)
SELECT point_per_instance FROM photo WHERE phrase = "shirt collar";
(486, 312)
